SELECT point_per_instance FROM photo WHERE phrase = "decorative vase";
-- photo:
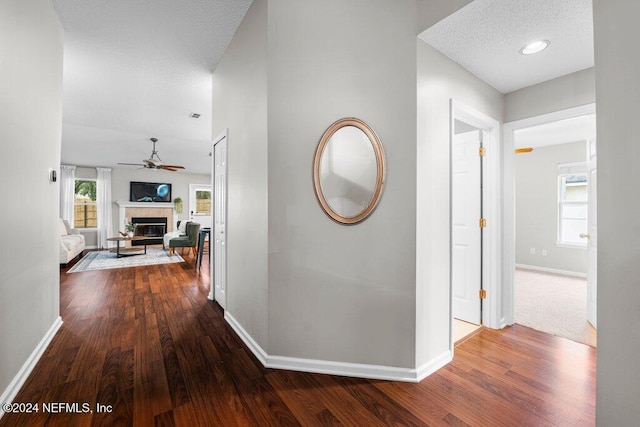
(129, 234)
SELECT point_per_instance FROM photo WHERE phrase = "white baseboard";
(18, 381)
(433, 365)
(246, 338)
(552, 270)
(357, 370)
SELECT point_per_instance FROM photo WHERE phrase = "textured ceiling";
(135, 69)
(581, 128)
(485, 37)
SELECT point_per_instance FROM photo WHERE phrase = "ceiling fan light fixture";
(535, 47)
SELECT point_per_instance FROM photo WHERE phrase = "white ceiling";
(136, 69)
(485, 37)
(581, 128)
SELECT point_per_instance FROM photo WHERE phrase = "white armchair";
(71, 242)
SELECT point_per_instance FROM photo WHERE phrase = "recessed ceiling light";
(535, 47)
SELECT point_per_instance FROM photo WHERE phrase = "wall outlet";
(544, 252)
(532, 251)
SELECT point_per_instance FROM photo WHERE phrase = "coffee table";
(122, 251)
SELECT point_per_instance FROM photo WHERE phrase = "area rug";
(554, 304)
(104, 260)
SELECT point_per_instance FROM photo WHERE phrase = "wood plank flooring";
(146, 341)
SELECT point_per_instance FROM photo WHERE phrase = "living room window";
(572, 203)
(85, 209)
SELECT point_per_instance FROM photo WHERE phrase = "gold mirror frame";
(380, 170)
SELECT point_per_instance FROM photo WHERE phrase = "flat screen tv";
(150, 192)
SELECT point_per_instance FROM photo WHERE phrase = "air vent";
(194, 115)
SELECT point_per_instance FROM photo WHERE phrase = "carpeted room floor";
(553, 303)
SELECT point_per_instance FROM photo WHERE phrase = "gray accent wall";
(31, 46)
(336, 292)
(537, 208)
(618, 92)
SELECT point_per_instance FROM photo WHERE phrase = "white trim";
(222, 135)
(255, 348)
(552, 270)
(491, 243)
(508, 195)
(357, 370)
(18, 381)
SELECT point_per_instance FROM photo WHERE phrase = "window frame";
(76, 179)
(564, 170)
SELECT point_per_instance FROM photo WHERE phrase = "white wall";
(31, 42)
(439, 80)
(240, 104)
(558, 94)
(336, 292)
(537, 208)
(618, 93)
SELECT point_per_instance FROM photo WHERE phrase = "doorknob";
(584, 235)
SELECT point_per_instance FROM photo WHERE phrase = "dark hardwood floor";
(146, 341)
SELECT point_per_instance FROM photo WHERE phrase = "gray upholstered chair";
(190, 240)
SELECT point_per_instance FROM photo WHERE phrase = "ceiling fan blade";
(132, 164)
(173, 166)
(169, 169)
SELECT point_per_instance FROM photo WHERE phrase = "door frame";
(491, 210)
(509, 196)
(222, 136)
(192, 199)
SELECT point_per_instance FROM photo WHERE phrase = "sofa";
(71, 242)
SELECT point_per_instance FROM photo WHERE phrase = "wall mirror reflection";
(349, 168)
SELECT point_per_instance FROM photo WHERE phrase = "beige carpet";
(554, 304)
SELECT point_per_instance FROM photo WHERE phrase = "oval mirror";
(348, 171)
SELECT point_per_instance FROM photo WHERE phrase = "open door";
(466, 211)
(592, 234)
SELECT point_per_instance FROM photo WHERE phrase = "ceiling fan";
(154, 161)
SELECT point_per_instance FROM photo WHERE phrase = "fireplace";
(152, 228)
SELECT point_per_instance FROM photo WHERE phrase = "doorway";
(200, 204)
(570, 230)
(218, 251)
(475, 219)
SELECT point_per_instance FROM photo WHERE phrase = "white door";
(466, 233)
(220, 221)
(592, 235)
(200, 204)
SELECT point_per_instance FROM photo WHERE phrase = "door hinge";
(483, 222)
(482, 151)
(483, 293)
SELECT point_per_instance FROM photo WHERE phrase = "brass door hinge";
(483, 222)
(483, 293)
(482, 151)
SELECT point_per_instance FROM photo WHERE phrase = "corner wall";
(240, 104)
(31, 46)
(618, 93)
(439, 79)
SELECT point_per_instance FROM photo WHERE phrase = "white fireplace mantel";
(165, 207)
(144, 204)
